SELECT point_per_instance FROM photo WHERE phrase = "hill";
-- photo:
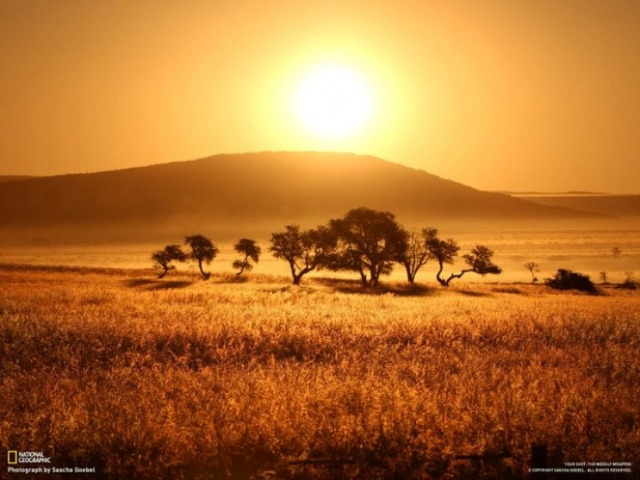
(553, 194)
(12, 178)
(617, 205)
(245, 193)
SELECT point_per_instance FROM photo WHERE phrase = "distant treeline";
(365, 241)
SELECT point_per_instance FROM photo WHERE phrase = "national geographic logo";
(36, 463)
(15, 457)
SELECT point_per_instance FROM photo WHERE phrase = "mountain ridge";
(622, 206)
(14, 178)
(248, 189)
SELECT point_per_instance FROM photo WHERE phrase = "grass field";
(181, 378)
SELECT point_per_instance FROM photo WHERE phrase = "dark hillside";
(250, 189)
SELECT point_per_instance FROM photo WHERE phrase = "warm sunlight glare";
(333, 101)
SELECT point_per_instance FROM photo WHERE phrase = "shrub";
(628, 285)
(629, 282)
(568, 280)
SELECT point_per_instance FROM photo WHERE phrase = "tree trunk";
(245, 262)
(205, 275)
(456, 275)
(166, 269)
(373, 281)
(244, 265)
(376, 271)
(441, 281)
(297, 278)
(292, 266)
(411, 276)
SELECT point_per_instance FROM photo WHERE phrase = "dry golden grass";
(183, 378)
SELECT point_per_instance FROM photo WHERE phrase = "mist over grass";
(182, 378)
(584, 250)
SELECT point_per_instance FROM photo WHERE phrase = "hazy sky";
(541, 95)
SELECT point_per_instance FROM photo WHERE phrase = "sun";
(333, 101)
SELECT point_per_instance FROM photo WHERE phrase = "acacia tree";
(163, 258)
(416, 254)
(303, 250)
(250, 250)
(445, 251)
(202, 251)
(533, 269)
(369, 242)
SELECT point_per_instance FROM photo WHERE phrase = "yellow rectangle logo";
(12, 457)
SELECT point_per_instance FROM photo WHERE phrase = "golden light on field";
(333, 101)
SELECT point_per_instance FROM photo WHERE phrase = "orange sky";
(540, 95)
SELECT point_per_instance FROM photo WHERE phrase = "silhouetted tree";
(480, 261)
(616, 252)
(164, 258)
(604, 278)
(250, 250)
(303, 250)
(369, 242)
(416, 254)
(445, 251)
(533, 269)
(202, 251)
(568, 280)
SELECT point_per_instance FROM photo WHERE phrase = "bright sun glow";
(333, 101)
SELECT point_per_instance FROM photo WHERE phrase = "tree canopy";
(304, 250)
(202, 251)
(416, 254)
(250, 250)
(163, 258)
(369, 242)
(445, 251)
(533, 267)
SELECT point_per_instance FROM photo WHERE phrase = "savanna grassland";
(181, 378)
